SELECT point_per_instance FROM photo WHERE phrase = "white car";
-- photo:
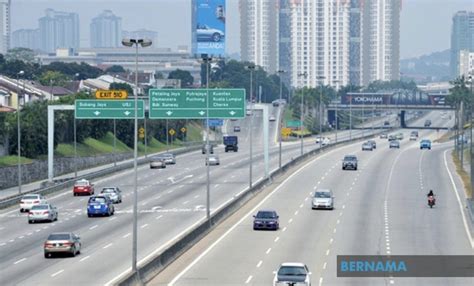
(272, 118)
(43, 212)
(213, 160)
(30, 200)
(292, 273)
(323, 199)
(413, 137)
(324, 141)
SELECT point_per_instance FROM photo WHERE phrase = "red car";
(82, 187)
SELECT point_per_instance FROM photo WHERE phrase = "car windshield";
(30, 197)
(291, 270)
(40, 207)
(322, 195)
(109, 191)
(266, 215)
(82, 183)
(59, 236)
(101, 200)
(350, 158)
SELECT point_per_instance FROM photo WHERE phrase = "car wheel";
(73, 252)
(216, 37)
(47, 255)
(89, 215)
(30, 221)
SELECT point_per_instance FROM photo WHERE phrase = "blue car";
(425, 144)
(266, 219)
(100, 205)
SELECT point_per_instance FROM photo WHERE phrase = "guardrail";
(69, 182)
(149, 269)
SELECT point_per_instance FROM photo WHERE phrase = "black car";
(211, 149)
(266, 219)
(349, 162)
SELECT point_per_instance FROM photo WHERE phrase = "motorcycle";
(431, 201)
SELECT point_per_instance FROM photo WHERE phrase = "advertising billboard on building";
(208, 29)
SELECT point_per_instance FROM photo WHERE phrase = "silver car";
(292, 273)
(213, 160)
(157, 162)
(323, 199)
(169, 158)
(28, 201)
(394, 144)
(44, 212)
(367, 146)
(113, 193)
(62, 242)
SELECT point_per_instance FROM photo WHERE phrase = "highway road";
(171, 201)
(379, 210)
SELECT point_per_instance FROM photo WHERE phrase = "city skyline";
(432, 33)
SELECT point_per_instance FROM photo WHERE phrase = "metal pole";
(115, 143)
(135, 167)
(167, 139)
(350, 117)
(279, 121)
(75, 148)
(462, 134)
(208, 149)
(146, 141)
(471, 155)
(301, 120)
(252, 67)
(321, 117)
(19, 131)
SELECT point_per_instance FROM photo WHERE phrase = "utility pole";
(304, 75)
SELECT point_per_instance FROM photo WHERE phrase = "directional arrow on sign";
(202, 112)
(169, 113)
(127, 113)
(232, 112)
(97, 113)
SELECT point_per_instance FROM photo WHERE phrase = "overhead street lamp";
(304, 75)
(471, 81)
(321, 78)
(251, 68)
(280, 72)
(21, 73)
(130, 43)
(337, 103)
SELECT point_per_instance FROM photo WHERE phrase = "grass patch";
(91, 147)
(288, 115)
(155, 146)
(12, 160)
(463, 174)
(445, 138)
(193, 132)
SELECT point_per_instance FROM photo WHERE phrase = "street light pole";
(280, 72)
(321, 112)
(251, 68)
(304, 74)
(21, 73)
(130, 43)
(206, 59)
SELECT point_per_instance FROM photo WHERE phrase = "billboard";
(208, 29)
(366, 98)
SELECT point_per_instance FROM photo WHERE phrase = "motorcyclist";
(430, 194)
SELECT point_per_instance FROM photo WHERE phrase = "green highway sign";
(192, 104)
(108, 109)
(293, 123)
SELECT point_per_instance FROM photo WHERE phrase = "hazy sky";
(425, 24)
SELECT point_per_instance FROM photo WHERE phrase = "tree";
(460, 93)
(186, 78)
(53, 78)
(121, 86)
(115, 69)
(83, 70)
(21, 54)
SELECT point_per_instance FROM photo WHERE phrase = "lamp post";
(75, 140)
(21, 73)
(321, 78)
(350, 113)
(471, 81)
(251, 68)
(130, 43)
(336, 116)
(280, 72)
(304, 74)
(207, 60)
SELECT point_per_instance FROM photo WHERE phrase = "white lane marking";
(302, 204)
(19, 261)
(158, 217)
(21, 237)
(391, 281)
(107, 246)
(57, 273)
(2, 244)
(334, 230)
(112, 218)
(268, 250)
(185, 202)
(338, 221)
(92, 227)
(331, 240)
(196, 196)
(145, 225)
(145, 203)
(259, 263)
(324, 265)
(277, 238)
(290, 220)
(127, 235)
(284, 229)
(11, 240)
(82, 259)
(248, 279)
(320, 281)
(29, 233)
(471, 240)
(296, 212)
(327, 252)
(343, 206)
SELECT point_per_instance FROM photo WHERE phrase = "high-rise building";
(284, 40)
(141, 34)
(26, 38)
(462, 38)
(466, 63)
(259, 33)
(5, 24)
(58, 30)
(380, 40)
(106, 30)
